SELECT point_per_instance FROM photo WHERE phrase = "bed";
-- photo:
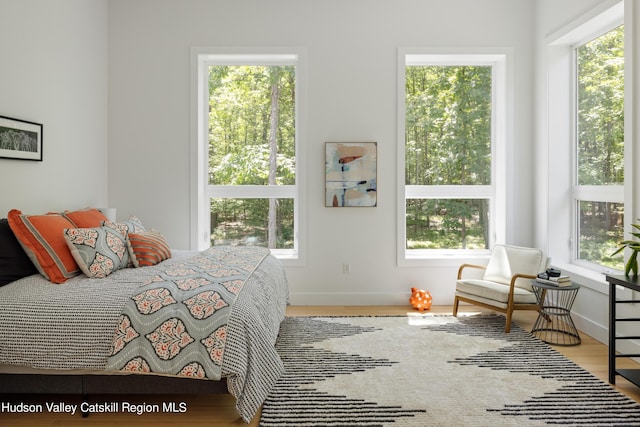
(194, 322)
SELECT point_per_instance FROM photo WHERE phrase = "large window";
(599, 147)
(452, 132)
(247, 147)
(587, 196)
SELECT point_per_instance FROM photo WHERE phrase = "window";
(452, 134)
(599, 146)
(247, 149)
(587, 193)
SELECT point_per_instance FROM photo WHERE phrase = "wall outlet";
(346, 268)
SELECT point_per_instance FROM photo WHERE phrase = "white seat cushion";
(493, 291)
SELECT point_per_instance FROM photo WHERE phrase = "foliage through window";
(252, 154)
(448, 154)
(600, 147)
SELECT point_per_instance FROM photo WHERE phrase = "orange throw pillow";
(42, 238)
(85, 218)
(148, 248)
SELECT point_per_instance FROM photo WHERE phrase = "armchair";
(506, 283)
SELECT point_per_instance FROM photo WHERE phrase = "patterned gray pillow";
(98, 251)
(131, 225)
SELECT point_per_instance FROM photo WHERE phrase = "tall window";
(451, 105)
(248, 132)
(598, 193)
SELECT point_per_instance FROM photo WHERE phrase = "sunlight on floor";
(415, 318)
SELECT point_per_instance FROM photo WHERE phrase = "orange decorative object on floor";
(420, 299)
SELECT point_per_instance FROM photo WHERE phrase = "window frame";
(201, 191)
(564, 193)
(495, 192)
(608, 193)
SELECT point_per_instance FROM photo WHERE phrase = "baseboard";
(601, 333)
(593, 329)
(348, 298)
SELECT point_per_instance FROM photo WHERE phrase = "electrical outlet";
(346, 268)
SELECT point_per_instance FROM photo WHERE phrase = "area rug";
(432, 370)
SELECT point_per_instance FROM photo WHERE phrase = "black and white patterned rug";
(432, 370)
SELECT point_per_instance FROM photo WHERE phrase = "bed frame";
(85, 385)
(106, 384)
(89, 383)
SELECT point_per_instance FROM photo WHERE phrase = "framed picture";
(351, 174)
(20, 139)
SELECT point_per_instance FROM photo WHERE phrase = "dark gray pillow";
(14, 262)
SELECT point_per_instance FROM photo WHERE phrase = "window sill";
(585, 277)
(428, 258)
(288, 258)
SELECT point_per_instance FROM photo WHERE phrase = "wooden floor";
(219, 410)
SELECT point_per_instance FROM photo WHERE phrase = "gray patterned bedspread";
(71, 326)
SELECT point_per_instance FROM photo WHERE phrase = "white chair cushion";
(493, 291)
(508, 260)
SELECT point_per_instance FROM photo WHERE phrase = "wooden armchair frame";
(511, 305)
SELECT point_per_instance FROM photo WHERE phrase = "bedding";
(72, 326)
(42, 238)
(147, 248)
(98, 251)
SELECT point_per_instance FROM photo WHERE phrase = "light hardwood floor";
(219, 410)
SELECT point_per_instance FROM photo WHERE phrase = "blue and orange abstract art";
(351, 174)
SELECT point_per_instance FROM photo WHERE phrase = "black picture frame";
(20, 139)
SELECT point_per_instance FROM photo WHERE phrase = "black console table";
(632, 283)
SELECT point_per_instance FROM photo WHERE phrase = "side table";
(554, 324)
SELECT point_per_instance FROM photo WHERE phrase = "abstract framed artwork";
(20, 139)
(351, 174)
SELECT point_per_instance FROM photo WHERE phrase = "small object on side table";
(554, 324)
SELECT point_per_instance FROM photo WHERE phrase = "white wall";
(54, 72)
(551, 17)
(590, 311)
(94, 71)
(351, 54)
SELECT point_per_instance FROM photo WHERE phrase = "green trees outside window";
(448, 142)
(252, 143)
(600, 145)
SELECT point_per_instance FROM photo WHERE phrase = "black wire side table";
(554, 324)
